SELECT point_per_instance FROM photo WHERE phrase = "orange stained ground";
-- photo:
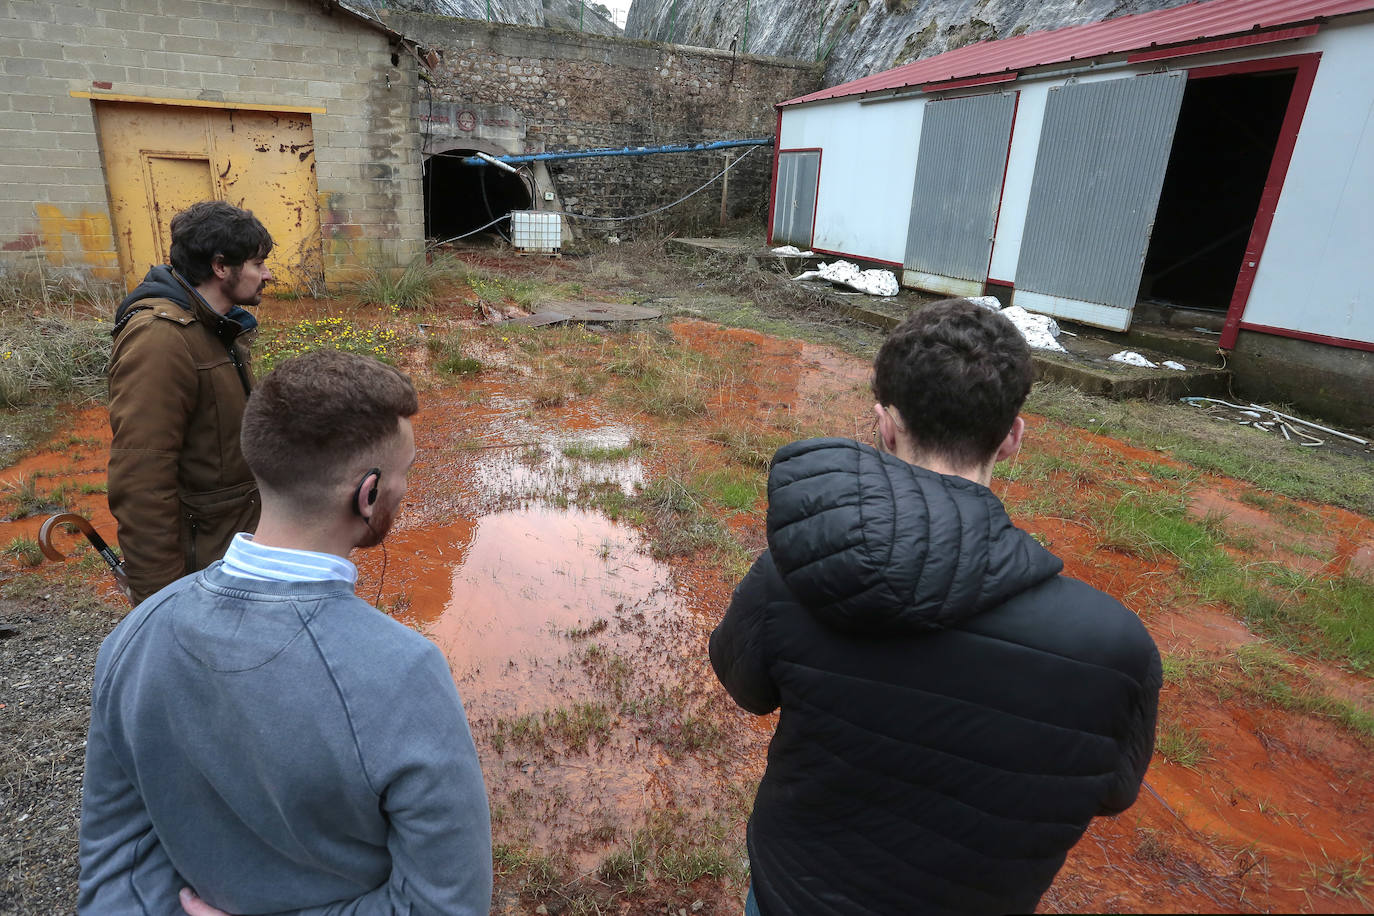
(540, 606)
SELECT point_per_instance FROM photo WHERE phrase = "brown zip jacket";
(178, 485)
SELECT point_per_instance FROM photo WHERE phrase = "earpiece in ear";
(376, 475)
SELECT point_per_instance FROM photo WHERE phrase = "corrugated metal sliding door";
(959, 169)
(794, 204)
(1104, 147)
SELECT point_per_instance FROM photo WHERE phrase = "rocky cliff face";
(586, 15)
(861, 37)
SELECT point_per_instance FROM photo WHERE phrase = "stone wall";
(536, 90)
(54, 204)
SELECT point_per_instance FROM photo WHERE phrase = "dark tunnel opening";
(460, 198)
(1227, 132)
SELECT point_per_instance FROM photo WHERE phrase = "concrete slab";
(1086, 365)
(598, 312)
(743, 251)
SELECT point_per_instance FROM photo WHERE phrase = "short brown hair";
(958, 374)
(316, 415)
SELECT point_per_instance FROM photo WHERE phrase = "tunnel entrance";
(1228, 129)
(459, 198)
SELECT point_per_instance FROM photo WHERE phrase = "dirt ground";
(585, 499)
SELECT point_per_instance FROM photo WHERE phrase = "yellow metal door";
(161, 158)
(174, 184)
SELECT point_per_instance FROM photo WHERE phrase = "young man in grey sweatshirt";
(263, 741)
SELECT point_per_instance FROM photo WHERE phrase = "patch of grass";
(1343, 877)
(491, 286)
(1188, 435)
(28, 499)
(1265, 675)
(1183, 669)
(411, 287)
(598, 625)
(609, 671)
(676, 847)
(541, 874)
(1332, 617)
(90, 489)
(25, 550)
(680, 522)
(448, 357)
(627, 868)
(731, 488)
(55, 353)
(607, 497)
(601, 453)
(751, 448)
(663, 380)
(1181, 745)
(573, 725)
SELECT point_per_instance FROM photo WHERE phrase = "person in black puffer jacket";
(954, 711)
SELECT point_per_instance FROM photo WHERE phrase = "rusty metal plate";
(557, 312)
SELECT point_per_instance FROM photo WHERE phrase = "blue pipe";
(623, 151)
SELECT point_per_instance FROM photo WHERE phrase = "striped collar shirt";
(249, 560)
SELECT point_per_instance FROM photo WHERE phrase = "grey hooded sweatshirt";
(278, 747)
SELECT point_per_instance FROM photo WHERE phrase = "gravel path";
(47, 658)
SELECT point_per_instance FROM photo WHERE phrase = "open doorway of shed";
(460, 198)
(1228, 129)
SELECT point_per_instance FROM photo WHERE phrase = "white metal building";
(1217, 155)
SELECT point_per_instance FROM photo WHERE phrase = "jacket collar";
(162, 282)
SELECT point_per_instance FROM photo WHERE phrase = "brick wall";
(566, 90)
(53, 198)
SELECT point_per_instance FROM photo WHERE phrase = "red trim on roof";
(1171, 28)
(1223, 44)
(971, 81)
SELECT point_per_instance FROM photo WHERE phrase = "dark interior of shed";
(460, 198)
(1227, 132)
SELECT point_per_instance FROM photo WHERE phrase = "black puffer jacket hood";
(871, 544)
(162, 282)
(954, 711)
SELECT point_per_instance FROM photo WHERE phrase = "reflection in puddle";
(529, 578)
(550, 467)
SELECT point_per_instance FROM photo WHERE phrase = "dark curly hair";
(958, 374)
(213, 227)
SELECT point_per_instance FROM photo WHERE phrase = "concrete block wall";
(577, 91)
(53, 200)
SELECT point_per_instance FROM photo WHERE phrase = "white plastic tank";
(536, 231)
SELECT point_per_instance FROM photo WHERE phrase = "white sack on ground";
(1040, 331)
(794, 252)
(1170, 364)
(1132, 358)
(873, 282)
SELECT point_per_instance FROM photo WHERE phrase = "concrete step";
(1085, 365)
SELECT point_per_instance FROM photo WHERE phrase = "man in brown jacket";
(179, 379)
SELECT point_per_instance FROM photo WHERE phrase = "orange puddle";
(539, 608)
